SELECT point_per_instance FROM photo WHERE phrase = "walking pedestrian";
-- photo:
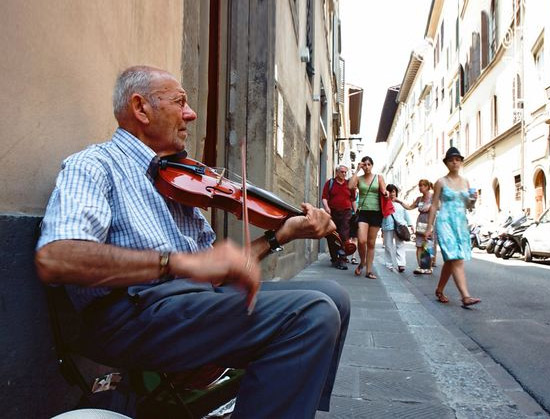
(423, 203)
(370, 186)
(394, 247)
(451, 198)
(338, 201)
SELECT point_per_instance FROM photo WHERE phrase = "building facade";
(479, 84)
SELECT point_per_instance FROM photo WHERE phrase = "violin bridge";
(221, 176)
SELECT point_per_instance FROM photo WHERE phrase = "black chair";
(142, 394)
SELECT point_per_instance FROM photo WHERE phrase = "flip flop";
(442, 298)
(358, 270)
(470, 301)
(370, 275)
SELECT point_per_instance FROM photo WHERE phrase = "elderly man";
(142, 270)
(339, 202)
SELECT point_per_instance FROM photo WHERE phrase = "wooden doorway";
(540, 193)
(496, 189)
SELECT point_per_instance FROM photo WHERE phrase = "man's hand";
(224, 263)
(314, 224)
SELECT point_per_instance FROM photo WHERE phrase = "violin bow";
(246, 228)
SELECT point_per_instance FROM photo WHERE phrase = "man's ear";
(140, 108)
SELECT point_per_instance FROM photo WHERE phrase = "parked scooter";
(503, 236)
(495, 236)
(512, 237)
(479, 236)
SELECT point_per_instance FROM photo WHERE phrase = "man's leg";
(341, 298)
(388, 248)
(341, 220)
(287, 345)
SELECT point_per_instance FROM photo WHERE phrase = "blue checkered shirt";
(105, 194)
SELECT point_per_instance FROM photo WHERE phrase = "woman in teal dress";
(451, 198)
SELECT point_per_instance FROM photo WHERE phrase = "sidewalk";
(400, 362)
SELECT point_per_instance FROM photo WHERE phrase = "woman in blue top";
(395, 247)
(451, 198)
(370, 214)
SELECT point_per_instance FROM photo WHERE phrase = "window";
(466, 76)
(475, 65)
(517, 183)
(467, 139)
(436, 53)
(457, 92)
(538, 56)
(478, 129)
(517, 97)
(457, 37)
(493, 30)
(441, 31)
(494, 111)
(310, 38)
(294, 12)
(484, 39)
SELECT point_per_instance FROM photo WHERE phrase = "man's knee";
(336, 293)
(324, 317)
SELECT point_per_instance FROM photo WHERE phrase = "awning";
(355, 97)
(388, 114)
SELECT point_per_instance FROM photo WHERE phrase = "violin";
(192, 183)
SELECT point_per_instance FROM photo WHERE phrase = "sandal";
(442, 298)
(358, 270)
(470, 301)
(370, 275)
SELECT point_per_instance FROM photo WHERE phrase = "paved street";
(404, 359)
(512, 325)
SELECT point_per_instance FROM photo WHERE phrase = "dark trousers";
(341, 219)
(290, 345)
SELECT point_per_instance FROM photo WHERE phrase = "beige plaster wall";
(59, 60)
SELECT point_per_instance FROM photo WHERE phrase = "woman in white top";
(395, 247)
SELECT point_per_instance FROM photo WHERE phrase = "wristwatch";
(164, 268)
(274, 246)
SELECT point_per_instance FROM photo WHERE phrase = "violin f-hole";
(219, 188)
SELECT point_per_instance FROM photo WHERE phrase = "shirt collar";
(134, 148)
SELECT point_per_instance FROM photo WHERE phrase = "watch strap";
(274, 245)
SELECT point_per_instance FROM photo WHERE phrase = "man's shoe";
(340, 265)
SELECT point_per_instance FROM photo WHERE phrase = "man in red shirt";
(338, 201)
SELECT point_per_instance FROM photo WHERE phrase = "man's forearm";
(95, 264)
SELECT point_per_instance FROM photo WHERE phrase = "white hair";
(136, 79)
